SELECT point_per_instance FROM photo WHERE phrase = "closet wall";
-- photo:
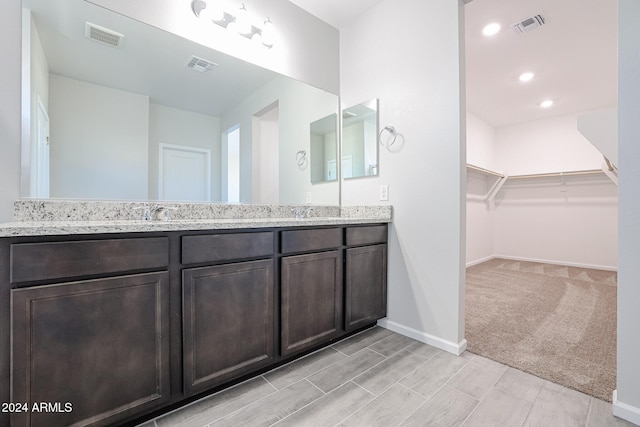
(569, 220)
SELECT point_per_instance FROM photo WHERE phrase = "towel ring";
(301, 158)
(392, 131)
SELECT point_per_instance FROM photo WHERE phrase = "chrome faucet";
(148, 212)
(302, 212)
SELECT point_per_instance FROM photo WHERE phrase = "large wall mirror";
(360, 140)
(115, 109)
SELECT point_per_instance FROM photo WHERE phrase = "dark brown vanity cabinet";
(365, 276)
(311, 288)
(228, 309)
(105, 329)
(89, 351)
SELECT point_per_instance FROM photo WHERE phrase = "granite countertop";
(42, 228)
(56, 217)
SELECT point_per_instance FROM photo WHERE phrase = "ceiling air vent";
(103, 35)
(529, 24)
(199, 64)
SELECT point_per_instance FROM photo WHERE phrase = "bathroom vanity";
(102, 328)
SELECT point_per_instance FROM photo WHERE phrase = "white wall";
(627, 401)
(179, 127)
(266, 162)
(571, 220)
(35, 87)
(305, 48)
(481, 142)
(10, 70)
(295, 119)
(99, 141)
(420, 95)
(548, 145)
(480, 214)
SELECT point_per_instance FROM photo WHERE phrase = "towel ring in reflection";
(301, 158)
(392, 131)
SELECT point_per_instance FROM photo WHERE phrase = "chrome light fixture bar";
(212, 10)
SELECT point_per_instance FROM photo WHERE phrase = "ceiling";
(573, 56)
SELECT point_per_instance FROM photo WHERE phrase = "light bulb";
(267, 33)
(242, 21)
(546, 104)
(209, 10)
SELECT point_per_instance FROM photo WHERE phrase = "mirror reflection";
(116, 109)
(360, 140)
(324, 149)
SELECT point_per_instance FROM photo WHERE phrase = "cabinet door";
(228, 322)
(366, 287)
(92, 352)
(311, 293)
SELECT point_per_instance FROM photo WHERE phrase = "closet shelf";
(553, 174)
(485, 171)
(491, 194)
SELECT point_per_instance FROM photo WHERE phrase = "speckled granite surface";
(55, 217)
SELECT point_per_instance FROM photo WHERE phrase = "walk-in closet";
(542, 207)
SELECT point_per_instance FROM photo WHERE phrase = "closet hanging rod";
(487, 171)
(551, 174)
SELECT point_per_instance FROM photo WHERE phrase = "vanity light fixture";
(546, 103)
(211, 10)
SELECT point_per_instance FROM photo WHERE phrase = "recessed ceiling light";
(525, 77)
(546, 104)
(491, 29)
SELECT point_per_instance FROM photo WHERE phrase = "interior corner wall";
(564, 220)
(420, 95)
(480, 213)
(626, 402)
(99, 141)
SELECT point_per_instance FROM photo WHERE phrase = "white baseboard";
(625, 411)
(448, 346)
(555, 262)
(479, 261)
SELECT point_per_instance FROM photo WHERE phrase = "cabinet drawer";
(366, 235)
(311, 240)
(56, 260)
(224, 247)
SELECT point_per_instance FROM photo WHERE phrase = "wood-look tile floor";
(380, 378)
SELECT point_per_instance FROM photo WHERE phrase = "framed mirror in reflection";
(360, 140)
(115, 109)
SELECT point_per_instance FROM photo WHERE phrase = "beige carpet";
(556, 322)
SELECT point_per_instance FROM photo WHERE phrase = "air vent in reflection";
(529, 24)
(201, 65)
(103, 35)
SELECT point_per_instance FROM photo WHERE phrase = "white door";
(185, 173)
(332, 170)
(41, 178)
(347, 166)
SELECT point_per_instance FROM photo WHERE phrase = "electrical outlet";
(308, 196)
(384, 192)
